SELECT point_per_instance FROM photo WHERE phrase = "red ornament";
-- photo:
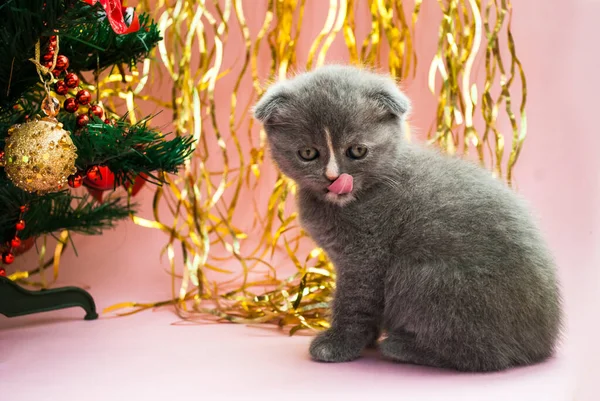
(20, 226)
(109, 121)
(96, 110)
(2, 272)
(72, 80)
(61, 88)
(26, 245)
(104, 179)
(62, 63)
(82, 120)
(48, 56)
(75, 180)
(71, 105)
(15, 242)
(8, 258)
(92, 172)
(138, 183)
(83, 97)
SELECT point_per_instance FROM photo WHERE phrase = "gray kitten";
(429, 249)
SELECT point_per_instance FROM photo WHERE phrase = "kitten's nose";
(332, 176)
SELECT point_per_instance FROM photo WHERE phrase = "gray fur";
(430, 250)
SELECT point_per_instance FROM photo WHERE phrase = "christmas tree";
(55, 133)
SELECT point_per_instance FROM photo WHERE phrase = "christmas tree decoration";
(83, 120)
(92, 173)
(8, 258)
(71, 105)
(15, 242)
(101, 178)
(62, 63)
(83, 97)
(114, 12)
(26, 245)
(20, 226)
(138, 184)
(75, 180)
(39, 156)
(96, 111)
(71, 80)
(53, 44)
(48, 57)
(61, 88)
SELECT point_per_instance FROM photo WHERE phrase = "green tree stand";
(17, 301)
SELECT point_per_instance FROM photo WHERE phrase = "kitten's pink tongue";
(342, 185)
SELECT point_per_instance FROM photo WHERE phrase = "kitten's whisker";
(391, 182)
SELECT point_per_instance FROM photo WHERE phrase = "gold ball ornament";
(39, 156)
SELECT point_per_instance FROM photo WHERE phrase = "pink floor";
(143, 357)
(59, 356)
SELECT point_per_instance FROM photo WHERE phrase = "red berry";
(15, 242)
(71, 105)
(75, 180)
(83, 120)
(72, 80)
(51, 47)
(47, 64)
(20, 226)
(61, 88)
(48, 56)
(62, 63)
(96, 110)
(23, 208)
(8, 258)
(83, 97)
(2, 272)
(52, 41)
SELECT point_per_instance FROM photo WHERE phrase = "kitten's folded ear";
(268, 105)
(393, 100)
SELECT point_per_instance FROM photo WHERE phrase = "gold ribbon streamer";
(204, 202)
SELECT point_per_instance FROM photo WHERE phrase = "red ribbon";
(114, 13)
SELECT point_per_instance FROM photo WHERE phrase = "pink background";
(146, 356)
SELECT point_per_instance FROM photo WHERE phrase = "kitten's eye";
(356, 152)
(308, 154)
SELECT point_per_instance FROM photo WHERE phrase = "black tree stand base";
(17, 301)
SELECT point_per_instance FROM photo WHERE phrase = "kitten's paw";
(331, 346)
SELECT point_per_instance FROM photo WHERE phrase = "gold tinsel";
(204, 199)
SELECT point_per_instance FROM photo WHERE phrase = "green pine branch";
(55, 211)
(127, 150)
(77, 214)
(91, 45)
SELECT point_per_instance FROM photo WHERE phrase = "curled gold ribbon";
(227, 171)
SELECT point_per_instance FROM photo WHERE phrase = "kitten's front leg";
(357, 311)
